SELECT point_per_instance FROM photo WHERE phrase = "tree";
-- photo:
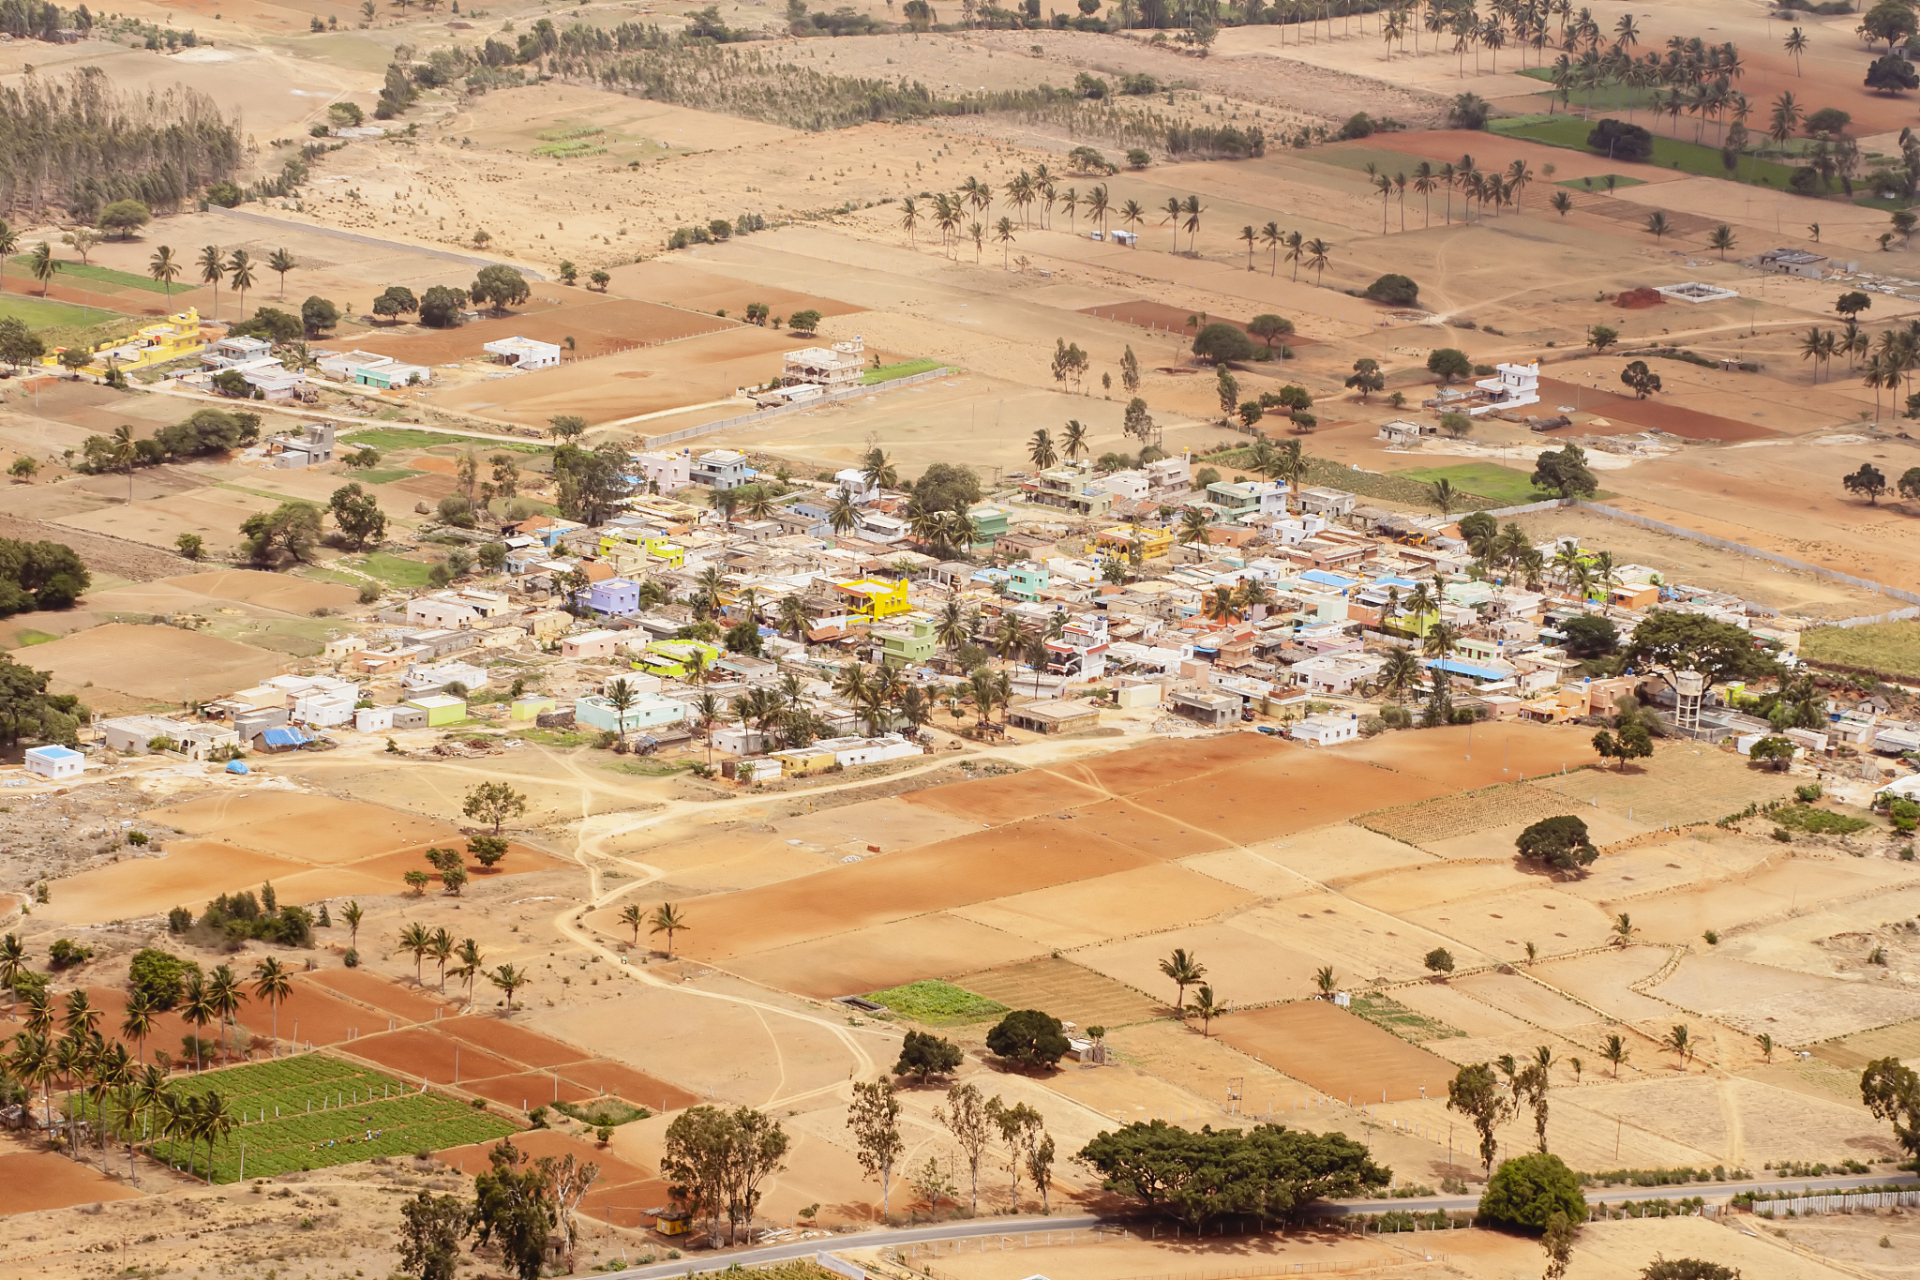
(280, 262)
(1475, 1093)
(1614, 1050)
(1719, 651)
(43, 266)
(1439, 962)
(1130, 373)
(805, 321)
(398, 300)
(968, 1117)
(1590, 635)
(1892, 74)
(494, 803)
(1137, 422)
(272, 985)
(1689, 1268)
(924, 1054)
(874, 1117)
(1268, 327)
(668, 919)
(511, 1208)
(1775, 753)
(1558, 1243)
(1600, 337)
(1183, 969)
(1526, 1191)
(1642, 380)
(431, 1228)
(1867, 480)
(1040, 449)
(1561, 844)
(1366, 377)
(1620, 140)
(1219, 342)
(317, 315)
(1270, 1171)
(358, 514)
(1449, 363)
(441, 307)
(1679, 1041)
(39, 575)
(591, 482)
(124, 217)
(1227, 391)
(292, 527)
(500, 286)
(1631, 741)
(1207, 1007)
(240, 275)
(1723, 239)
(1029, 1039)
(1394, 290)
(1891, 1091)
(509, 980)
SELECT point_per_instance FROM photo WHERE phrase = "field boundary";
(767, 415)
(471, 259)
(1727, 544)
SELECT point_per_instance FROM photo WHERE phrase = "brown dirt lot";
(508, 1040)
(425, 1054)
(1242, 966)
(383, 994)
(158, 664)
(682, 285)
(528, 1089)
(1009, 798)
(882, 955)
(1630, 416)
(1127, 902)
(191, 872)
(272, 590)
(37, 1180)
(1461, 756)
(636, 1087)
(1070, 991)
(283, 823)
(599, 327)
(1291, 792)
(1337, 1053)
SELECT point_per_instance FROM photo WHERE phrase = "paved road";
(1014, 1226)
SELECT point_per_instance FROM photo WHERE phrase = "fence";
(1727, 544)
(767, 415)
(911, 1256)
(1838, 1202)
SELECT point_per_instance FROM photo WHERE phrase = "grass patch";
(1384, 159)
(1686, 157)
(904, 369)
(1504, 485)
(1396, 487)
(567, 150)
(1890, 647)
(1599, 185)
(937, 1003)
(1817, 822)
(385, 475)
(300, 637)
(395, 571)
(646, 768)
(314, 1111)
(45, 313)
(100, 275)
(1390, 1015)
(569, 134)
(387, 439)
(607, 1111)
(27, 639)
(562, 739)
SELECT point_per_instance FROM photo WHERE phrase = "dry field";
(163, 665)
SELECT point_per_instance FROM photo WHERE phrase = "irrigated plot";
(1066, 990)
(1343, 1056)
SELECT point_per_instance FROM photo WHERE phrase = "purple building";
(611, 597)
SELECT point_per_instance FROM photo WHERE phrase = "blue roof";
(54, 753)
(1453, 666)
(1388, 581)
(236, 766)
(1321, 577)
(287, 736)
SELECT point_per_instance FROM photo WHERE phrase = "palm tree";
(1183, 969)
(1073, 439)
(633, 917)
(471, 960)
(953, 626)
(1319, 254)
(416, 938)
(1252, 237)
(32, 1063)
(1098, 208)
(1003, 232)
(1208, 1008)
(9, 241)
(225, 995)
(879, 470)
(1133, 213)
(213, 269)
(176, 1122)
(166, 269)
(977, 234)
(279, 261)
(1443, 495)
(272, 985)
(1194, 523)
(509, 980)
(1173, 215)
(1680, 1040)
(1796, 44)
(1013, 635)
(1040, 449)
(13, 960)
(668, 920)
(621, 696)
(1401, 674)
(213, 1122)
(1657, 224)
(440, 947)
(1070, 201)
(909, 218)
(1324, 979)
(197, 1011)
(352, 914)
(1765, 1043)
(843, 515)
(80, 1016)
(137, 1024)
(1623, 929)
(240, 276)
(42, 264)
(1192, 210)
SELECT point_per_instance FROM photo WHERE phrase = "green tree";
(668, 919)
(1366, 377)
(874, 1117)
(494, 803)
(1891, 1091)
(1183, 969)
(1270, 1171)
(1439, 962)
(280, 262)
(1220, 342)
(1718, 651)
(292, 527)
(317, 315)
(431, 1228)
(1600, 337)
(1689, 1268)
(1526, 1191)
(510, 1208)
(500, 286)
(1868, 480)
(358, 514)
(1475, 1093)
(1557, 1240)
(124, 217)
(1268, 327)
(1449, 363)
(1561, 844)
(43, 266)
(1640, 379)
(1028, 1038)
(924, 1054)
(804, 321)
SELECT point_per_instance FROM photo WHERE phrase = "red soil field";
(597, 328)
(636, 1087)
(191, 872)
(1158, 315)
(509, 1041)
(1337, 1053)
(1140, 768)
(425, 1054)
(37, 1180)
(1009, 798)
(681, 286)
(1291, 792)
(1506, 751)
(1629, 416)
(973, 868)
(367, 988)
(528, 1089)
(1127, 823)
(283, 823)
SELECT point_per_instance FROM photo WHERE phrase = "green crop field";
(1687, 157)
(904, 369)
(387, 439)
(45, 313)
(938, 1004)
(394, 570)
(1390, 1015)
(1503, 485)
(314, 1111)
(102, 275)
(384, 475)
(1599, 184)
(1890, 647)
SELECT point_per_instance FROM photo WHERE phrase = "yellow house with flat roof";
(170, 339)
(875, 597)
(1154, 543)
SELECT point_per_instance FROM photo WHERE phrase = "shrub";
(1396, 290)
(1560, 843)
(161, 975)
(1618, 140)
(1028, 1038)
(1528, 1190)
(65, 953)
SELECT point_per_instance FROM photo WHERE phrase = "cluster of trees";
(1269, 1172)
(233, 918)
(1871, 483)
(27, 710)
(39, 575)
(1492, 189)
(202, 433)
(718, 1160)
(518, 1205)
(441, 306)
(439, 946)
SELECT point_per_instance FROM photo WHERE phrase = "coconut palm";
(197, 1010)
(440, 947)
(13, 961)
(213, 269)
(952, 626)
(1614, 1050)
(633, 918)
(509, 979)
(1133, 213)
(1098, 208)
(416, 938)
(668, 919)
(1192, 210)
(1003, 232)
(9, 242)
(137, 1022)
(270, 983)
(469, 955)
(40, 1016)
(1183, 969)
(280, 262)
(31, 1062)
(1680, 1040)
(223, 990)
(909, 218)
(1324, 979)
(1040, 449)
(1173, 209)
(164, 268)
(1401, 674)
(240, 276)
(43, 265)
(213, 1122)
(1073, 439)
(1207, 1007)
(1194, 523)
(1319, 254)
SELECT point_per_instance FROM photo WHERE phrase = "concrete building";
(665, 470)
(1204, 706)
(373, 719)
(1237, 498)
(368, 369)
(231, 351)
(440, 708)
(523, 353)
(312, 448)
(432, 677)
(1079, 652)
(611, 597)
(850, 753)
(874, 597)
(1338, 673)
(1325, 730)
(1057, 715)
(195, 739)
(1026, 580)
(650, 711)
(906, 642)
(835, 368)
(591, 644)
(54, 762)
(722, 469)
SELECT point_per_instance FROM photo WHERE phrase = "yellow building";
(170, 339)
(799, 762)
(875, 597)
(1154, 543)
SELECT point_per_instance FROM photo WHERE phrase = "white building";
(1325, 730)
(1337, 673)
(665, 470)
(853, 482)
(848, 752)
(423, 677)
(523, 353)
(1512, 386)
(836, 368)
(55, 762)
(373, 719)
(232, 351)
